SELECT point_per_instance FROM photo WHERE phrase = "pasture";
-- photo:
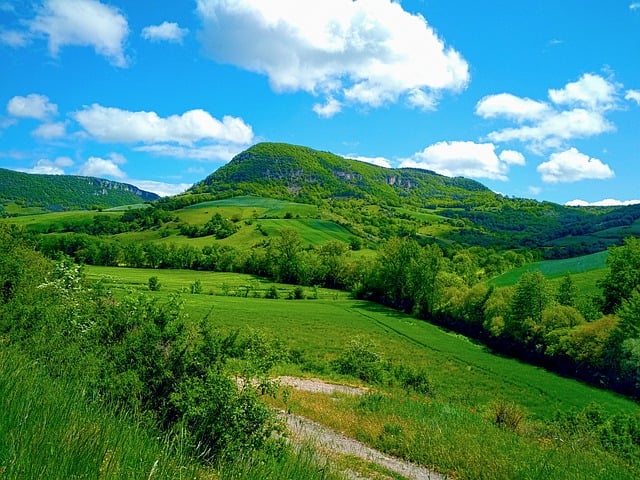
(318, 330)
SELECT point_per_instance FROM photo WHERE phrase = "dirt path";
(304, 429)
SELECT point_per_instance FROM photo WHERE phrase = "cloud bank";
(348, 52)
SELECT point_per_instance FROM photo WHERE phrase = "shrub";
(272, 292)
(196, 287)
(361, 361)
(154, 284)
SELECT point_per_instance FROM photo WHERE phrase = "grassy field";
(320, 329)
(449, 429)
(585, 271)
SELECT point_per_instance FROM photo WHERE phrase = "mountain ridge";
(67, 192)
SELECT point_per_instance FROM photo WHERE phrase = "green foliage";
(361, 360)
(64, 192)
(154, 284)
(624, 274)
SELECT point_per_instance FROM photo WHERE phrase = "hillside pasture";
(584, 271)
(462, 372)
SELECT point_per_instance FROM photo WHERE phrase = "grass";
(593, 266)
(457, 441)
(49, 430)
(319, 330)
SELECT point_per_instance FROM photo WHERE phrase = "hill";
(65, 192)
(472, 214)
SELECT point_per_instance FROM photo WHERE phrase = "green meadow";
(452, 428)
(319, 329)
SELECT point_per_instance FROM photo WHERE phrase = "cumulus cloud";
(468, 159)
(49, 167)
(578, 110)
(363, 52)
(379, 161)
(112, 125)
(205, 153)
(633, 95)
(511, 107)
(512, 157)
(49, 131)
(590, 91)
(161, 188)
(572, 166)
(329, 109)
(87, 23)
(32, 106)
(101, 167)
(166, 31)
(634, 6)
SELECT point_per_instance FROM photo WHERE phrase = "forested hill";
(66, 192)
(475, 214)
(298, 173)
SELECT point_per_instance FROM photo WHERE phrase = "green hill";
(412, 201)
(29, 193)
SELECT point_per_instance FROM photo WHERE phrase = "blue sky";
(533, 99)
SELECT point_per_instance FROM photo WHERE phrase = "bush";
(196, 287)
(414, 380)
(361, 361)
(154, 284)
(272, 292)
(297, 293)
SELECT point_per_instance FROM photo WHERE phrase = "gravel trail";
(303, 429)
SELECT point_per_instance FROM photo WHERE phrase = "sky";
(535, 100)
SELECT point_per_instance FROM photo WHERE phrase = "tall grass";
(49, 430)
(461, 442)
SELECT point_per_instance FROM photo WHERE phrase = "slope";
(473, 214)
(66, 192)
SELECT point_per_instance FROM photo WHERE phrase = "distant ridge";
(474, 215)
(67, 192)
(286, 171)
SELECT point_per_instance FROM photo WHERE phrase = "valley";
(496, 337)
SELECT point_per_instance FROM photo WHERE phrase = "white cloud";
(535, 190)
(512, 157)
(166, 31)
(14, 38)
(379, 161)
(83, 23)
(48, 167)
(555, 129)
(50, 131)
(634, 6)
(160, 188)
(205, 153)
(32, 106)
(607, 202)
(100, 167)
(512, 107)
(572, 166)
(329, 109)
(590, 91)
(633, 95)
(115, 125)
(468, 159)
(575, 111)
(366, 52)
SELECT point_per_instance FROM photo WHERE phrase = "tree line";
(594, 338)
